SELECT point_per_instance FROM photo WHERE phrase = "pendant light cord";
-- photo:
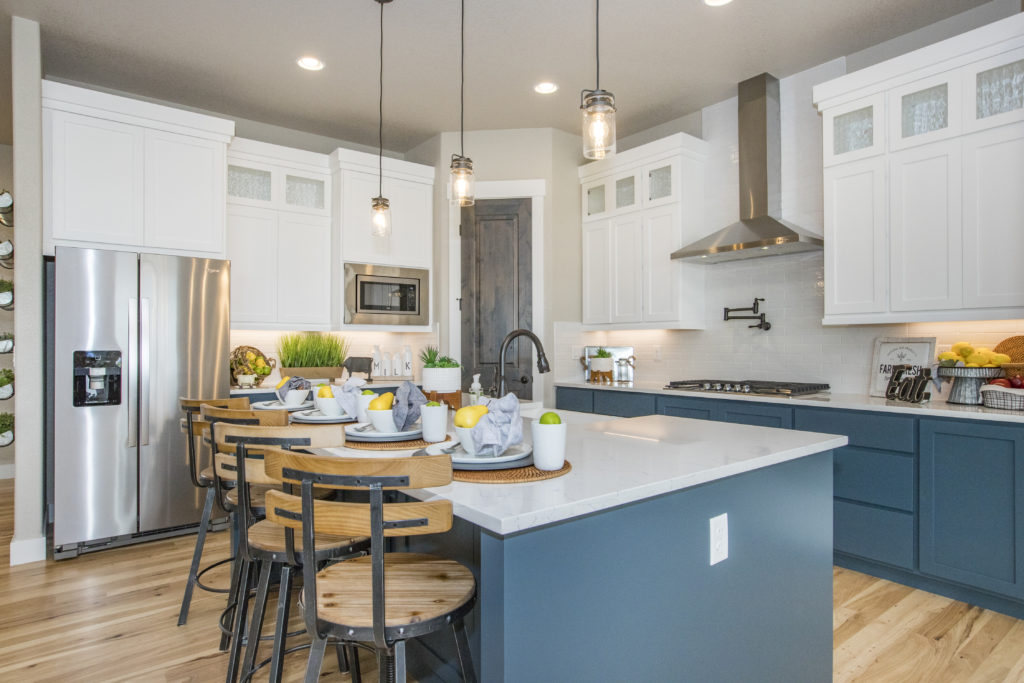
(462, 84)
(380, 112)
(597, 41)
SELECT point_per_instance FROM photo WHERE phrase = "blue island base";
(627, 594)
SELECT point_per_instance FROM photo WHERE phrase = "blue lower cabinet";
(623, 404)
(867, 475)
(972, 504)
(874, 533)
(741, 412)
(579, 400)
(879, 431)
(698, 408)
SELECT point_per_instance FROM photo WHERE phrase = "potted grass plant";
(6, 429)
(6, 383)
(440, 373)
(601, 361)
(312, 355)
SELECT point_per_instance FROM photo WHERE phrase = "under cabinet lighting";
(545, 87)
(716, 3)
(310, 63)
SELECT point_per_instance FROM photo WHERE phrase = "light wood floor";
(111, 616)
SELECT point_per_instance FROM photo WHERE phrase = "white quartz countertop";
(616, 461)
(934, 408)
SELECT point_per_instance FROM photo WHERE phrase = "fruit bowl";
(967, 383)
(248, 360)
(974, 373)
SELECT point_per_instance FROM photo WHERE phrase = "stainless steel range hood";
(760, 231)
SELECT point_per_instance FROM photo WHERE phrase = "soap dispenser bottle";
(476, 392)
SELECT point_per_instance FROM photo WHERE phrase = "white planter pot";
(246, 381)
(442, 380)
(6, 345)
(7, 391)
(6, 438)
(6, 298)
(601, 364)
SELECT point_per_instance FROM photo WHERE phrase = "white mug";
(434, 420)
(383, 421)
(329, 406)
(548, 446)
(295, 397)
(364, 404)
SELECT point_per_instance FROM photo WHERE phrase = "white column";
(29, 542)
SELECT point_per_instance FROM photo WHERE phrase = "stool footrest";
(211, 589)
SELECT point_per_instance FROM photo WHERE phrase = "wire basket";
(993, 396)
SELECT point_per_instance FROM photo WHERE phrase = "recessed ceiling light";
(716, 3)
(310, 63)
(545, 87)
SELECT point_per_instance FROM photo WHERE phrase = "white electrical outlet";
(657, 352)
(719, 538)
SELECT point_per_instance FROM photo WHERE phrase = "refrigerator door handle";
(144, 370)
(132, 361)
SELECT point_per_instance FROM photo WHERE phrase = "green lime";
(550, 419)
(433, 404)
(367, 392)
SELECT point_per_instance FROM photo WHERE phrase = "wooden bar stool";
(264, 545)
(226, 489)
(382, 600)
(201, 478)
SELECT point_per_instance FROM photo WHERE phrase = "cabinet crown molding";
(78, 100)
(678, 143)
(364, 162)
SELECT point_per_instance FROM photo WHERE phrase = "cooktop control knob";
(746, 388)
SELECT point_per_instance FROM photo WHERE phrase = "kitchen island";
(603, 574)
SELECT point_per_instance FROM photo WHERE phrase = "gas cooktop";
(748, 386)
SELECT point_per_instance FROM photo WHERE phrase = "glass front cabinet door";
(995, 91)
(854, 131)
(925, 111)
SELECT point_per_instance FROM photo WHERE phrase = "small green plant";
(602, 353)
(312, 350)
(6, 422)
(6, 286)
(4, 336)
(432, 358)
(6, 377)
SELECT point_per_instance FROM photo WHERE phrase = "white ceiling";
(661, 58)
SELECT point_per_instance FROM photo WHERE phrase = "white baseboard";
(7, 471)
(28, 550)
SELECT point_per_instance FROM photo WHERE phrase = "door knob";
(525, 379)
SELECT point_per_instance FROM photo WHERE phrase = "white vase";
(6, 438)
(442, 380)
(601, 364)
(6, 345)
(7, 390)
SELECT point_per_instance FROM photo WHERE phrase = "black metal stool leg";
(316, 658)
(233, 592)
(462, 648)
(197, 555)
(238, 632)
(284, 601)
(259, 608)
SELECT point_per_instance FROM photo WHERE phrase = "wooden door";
(497, 292)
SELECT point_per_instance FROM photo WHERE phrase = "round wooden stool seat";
(269, 537)
(257, 496)
(206, 476)
(417, 588)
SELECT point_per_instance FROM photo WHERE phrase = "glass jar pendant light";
(598, 107)
(463, 185)
(380, 208)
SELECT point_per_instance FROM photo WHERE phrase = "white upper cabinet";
(120, 173)
(922, 214)
(638, 207)
(279, 237)
(410, 189)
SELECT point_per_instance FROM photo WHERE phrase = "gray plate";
(513, 465)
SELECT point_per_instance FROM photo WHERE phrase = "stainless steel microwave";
(386, 295)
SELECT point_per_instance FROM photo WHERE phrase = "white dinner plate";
(316, 417)
(277, 405)
(372, 434)
(461, 457)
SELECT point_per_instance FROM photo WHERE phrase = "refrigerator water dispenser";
(97, 378)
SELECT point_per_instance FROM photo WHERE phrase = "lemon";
(949, 355)
(959, 345)
(972, 365)
(283, 381)
(965, 351)
(469, 416)
(382, 402)
(1000, 358)
(324, 392)
(550, 419)
(976, 359)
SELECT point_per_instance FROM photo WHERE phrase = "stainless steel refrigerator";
(131, 334)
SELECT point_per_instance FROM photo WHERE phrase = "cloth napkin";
(501, 428)
(293, 383)
(348, 396)
(408, 401)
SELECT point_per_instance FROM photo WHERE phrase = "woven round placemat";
(387, 445)
(1012, 347)
(518, 475)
